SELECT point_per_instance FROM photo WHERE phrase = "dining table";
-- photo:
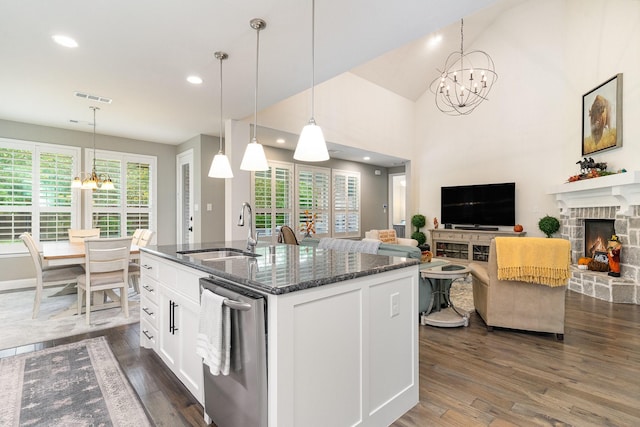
(65, 253)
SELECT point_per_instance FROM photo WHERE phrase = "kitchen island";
(342, 342)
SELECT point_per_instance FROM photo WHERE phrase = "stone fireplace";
(597, 233)
(615, 198)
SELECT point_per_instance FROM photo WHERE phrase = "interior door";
(397, 204)
(184, 172)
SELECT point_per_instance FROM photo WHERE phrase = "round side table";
(440, 279)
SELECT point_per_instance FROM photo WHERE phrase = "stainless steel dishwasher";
(240, 398)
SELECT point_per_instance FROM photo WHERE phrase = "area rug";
(78, 384)
(19, 329)
(461, 294)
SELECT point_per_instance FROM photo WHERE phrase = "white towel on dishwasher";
(213, 343)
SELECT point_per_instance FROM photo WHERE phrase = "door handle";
(190, 228)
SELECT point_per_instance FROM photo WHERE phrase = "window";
(120, 211)
(333, 196)
(272, 192)
(346, 204)
(35, 192)
(313, 186)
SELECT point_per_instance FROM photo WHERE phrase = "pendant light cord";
(313, 57)
(94, 137)
(221, 124)
(255, 97)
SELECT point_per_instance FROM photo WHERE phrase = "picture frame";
(602, 117)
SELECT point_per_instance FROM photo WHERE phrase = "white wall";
(548, 53)
(351, 111)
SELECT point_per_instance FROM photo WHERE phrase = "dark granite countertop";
(291, 268)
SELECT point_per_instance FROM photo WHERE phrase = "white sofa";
(389, 236)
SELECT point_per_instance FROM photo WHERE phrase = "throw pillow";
(387, 236)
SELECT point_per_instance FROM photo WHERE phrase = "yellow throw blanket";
(534, 260)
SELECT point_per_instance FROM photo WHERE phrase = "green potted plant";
(418, 221)
(549, 225)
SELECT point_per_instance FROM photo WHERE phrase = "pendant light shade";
(311, 145)
(220, 166)
(254, 158)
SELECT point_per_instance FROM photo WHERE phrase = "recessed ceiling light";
(194, 80)
(367, 158)
(434, 40)
(280, 141)
(65, 41)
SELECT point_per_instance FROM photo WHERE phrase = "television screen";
(479, 205)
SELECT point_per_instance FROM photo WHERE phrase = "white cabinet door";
(178, 339)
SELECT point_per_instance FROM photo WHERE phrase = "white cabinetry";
(465, 245)
(170, 308)
(344, 354)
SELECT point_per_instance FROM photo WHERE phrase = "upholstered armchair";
(517, 304)
(389, 236)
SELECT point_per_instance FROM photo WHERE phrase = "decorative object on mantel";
(602, 117)
(435, 223)
(418, 221)
(549, 225)
(518, 228)
(589, 168)
(460, 90)
(613, 253)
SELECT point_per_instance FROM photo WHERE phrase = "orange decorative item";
(309, 226)
(584, 260)
(518, 228)
(613, 253)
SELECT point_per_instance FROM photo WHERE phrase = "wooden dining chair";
(134, 267)
(78, 235)
(136, 236)
(48, 276)
(107, 268)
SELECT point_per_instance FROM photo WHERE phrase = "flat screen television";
(479, 206)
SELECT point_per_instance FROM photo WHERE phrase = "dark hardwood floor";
(468, 376)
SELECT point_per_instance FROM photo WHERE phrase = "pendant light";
(311, 144)
(220, 166)
(254, 158)
(93, 180)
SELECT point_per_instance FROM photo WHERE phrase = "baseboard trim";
(10, 285)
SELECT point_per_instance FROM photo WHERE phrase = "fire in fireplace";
(597, 232)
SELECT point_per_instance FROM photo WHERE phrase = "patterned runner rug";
(78, 384)
(19, 329)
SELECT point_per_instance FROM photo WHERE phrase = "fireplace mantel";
(622, 189)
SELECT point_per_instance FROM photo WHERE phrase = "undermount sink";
(218, 254)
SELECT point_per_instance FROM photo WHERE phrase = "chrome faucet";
(252, 240)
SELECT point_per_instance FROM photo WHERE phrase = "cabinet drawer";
(149, 311)
(149, 289)
(148, 335)
(149, 267)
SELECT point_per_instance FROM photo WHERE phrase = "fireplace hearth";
(614, 198)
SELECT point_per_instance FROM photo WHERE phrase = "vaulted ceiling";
(139, 53)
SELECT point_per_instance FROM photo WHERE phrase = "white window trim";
(347, 174)
(273, 164)
(298, 211)
(37, 148)
(123, 158)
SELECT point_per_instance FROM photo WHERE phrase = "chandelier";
(465, 81)
(93, 180)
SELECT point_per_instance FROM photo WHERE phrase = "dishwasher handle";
(237, 305)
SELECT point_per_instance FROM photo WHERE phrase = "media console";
(466, 245)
